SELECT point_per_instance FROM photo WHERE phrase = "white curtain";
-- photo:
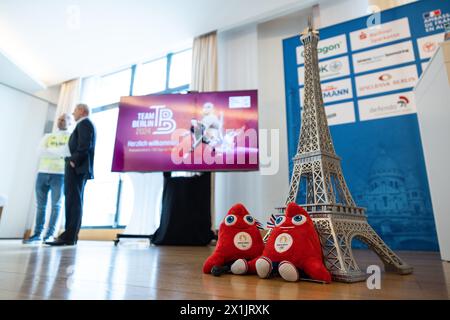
(147, 198)
(69, 96)
(204, 78)
(238, 70)
(204, 63)
(147, 188)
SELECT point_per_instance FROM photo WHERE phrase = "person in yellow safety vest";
(52, 150)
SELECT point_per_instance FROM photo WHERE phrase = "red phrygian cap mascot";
(293, 246)
(239, 238)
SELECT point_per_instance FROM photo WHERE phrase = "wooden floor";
(98, 270)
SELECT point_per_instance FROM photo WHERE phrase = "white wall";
(251, 57)
(238, 70)
(22, 121)
(275, 188)
(334, 12)
(50, 94)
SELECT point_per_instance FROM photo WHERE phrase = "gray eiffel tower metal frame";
(328, 200)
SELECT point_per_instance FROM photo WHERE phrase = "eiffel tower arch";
(336, 233)
(328, 200)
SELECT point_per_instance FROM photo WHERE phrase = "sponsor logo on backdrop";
(387, 106)
(326, 48)
(429, 45)
(386, 81)
(435, 20)
(340, 113)
(386, 32)
(383, 57)
(403, 102)
(432, 14)
(335, 91)
(385, 77)
(329, 69)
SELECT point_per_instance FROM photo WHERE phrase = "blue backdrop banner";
(368, 68)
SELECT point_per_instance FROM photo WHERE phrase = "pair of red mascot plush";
(292, 249)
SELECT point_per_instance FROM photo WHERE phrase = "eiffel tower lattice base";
(337, 226)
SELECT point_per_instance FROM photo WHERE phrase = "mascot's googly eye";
(249, 220)
(280, 220)
(298, 220)
(230, 220)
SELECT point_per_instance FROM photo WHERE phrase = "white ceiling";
(13, 76)
(54, 41)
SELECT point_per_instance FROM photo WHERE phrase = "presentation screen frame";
(207, 131)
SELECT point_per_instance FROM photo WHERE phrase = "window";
(113, 86)
(150, 77)
(100, 196)
(108, 199)
(180, 69)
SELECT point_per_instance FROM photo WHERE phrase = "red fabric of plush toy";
(293, 246)
(239, 238)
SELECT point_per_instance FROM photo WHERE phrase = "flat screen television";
(210, 131)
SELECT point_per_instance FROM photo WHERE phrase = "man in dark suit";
(79, 168)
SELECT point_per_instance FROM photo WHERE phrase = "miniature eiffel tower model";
(328, 200)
